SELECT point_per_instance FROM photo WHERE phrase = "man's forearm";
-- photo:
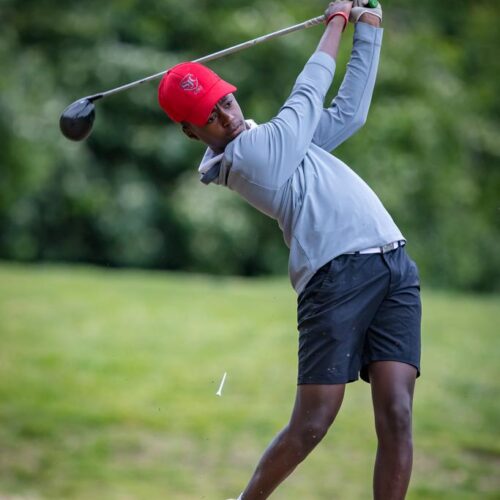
(355, 92)
(350, 107)
(330, 40)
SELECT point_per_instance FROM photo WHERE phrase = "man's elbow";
(358, 121)
(354, 125)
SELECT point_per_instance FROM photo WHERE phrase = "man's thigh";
(395, 331)
(334, 313)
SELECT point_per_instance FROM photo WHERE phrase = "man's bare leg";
(316, 407)
(392, 393)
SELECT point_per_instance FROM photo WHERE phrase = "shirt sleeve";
(269, 154)
(349, 109)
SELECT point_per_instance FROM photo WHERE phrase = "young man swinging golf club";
(358, 291)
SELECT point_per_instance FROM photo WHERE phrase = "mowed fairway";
(108, 382)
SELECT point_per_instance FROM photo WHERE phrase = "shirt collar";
(210, 164)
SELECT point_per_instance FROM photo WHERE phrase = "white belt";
(383, 249)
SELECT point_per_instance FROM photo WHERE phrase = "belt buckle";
(387, 248)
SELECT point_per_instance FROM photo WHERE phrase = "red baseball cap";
(189, 91)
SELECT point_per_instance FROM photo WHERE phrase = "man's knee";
(308, 433)
(394, 422)
(316, 407)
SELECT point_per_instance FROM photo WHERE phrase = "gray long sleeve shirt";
(284, 168)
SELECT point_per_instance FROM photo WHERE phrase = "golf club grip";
(216, 55)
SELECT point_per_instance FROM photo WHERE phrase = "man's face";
(224, 124)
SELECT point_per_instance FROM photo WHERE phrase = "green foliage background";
(129, 195)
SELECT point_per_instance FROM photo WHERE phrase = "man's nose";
(225, 117)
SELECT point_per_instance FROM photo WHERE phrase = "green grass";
(108, 381)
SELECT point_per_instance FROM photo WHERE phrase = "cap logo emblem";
(190, 84)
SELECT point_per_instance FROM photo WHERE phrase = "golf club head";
(77, 119)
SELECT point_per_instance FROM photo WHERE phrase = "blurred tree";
(129, 195)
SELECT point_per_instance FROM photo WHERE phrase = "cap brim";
(205, 107)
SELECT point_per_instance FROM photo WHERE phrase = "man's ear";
(189, 132)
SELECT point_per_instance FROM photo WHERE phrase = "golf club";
(77, 119)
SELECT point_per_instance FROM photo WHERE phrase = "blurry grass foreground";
(108, 382)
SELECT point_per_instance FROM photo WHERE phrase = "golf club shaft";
(216, 55)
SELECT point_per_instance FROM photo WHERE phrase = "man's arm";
(273, 151)
(349, 109)
(330, 40)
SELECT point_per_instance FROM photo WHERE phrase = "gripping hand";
(360, 7)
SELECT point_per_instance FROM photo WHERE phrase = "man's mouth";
(233, 132)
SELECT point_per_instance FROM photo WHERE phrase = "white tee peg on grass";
(219, 392)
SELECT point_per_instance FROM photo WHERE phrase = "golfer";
(358, 291)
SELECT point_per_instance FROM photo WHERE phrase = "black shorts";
(355, 310)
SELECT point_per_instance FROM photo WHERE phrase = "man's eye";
(211, 119)
(228, 104)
